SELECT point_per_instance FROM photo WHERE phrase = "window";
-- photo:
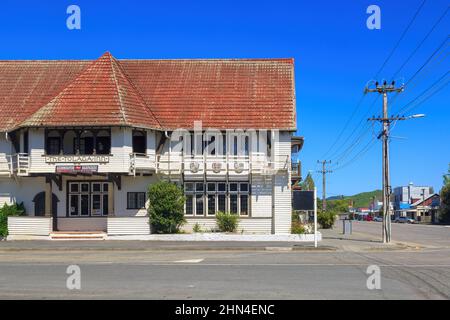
(211, 204)
(86, 142)
(199, 187)
(53, 145)
(53, 142)
(189, 205)
(244, 204)
(211, 146)
(222, 200)
(211, 197)
(199, 204)
(222, 187)
(189, 187)
(243, 187)
(103, 142)
(135, 200)
(233, 187)
(233, 203)
(139, 142)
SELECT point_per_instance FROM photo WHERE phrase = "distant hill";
(363, 199)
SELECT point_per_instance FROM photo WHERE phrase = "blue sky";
(335, 55)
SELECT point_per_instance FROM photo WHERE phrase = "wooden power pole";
(324, 173)
(384, 89)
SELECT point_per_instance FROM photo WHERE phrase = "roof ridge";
(117, 62)
(121, 105)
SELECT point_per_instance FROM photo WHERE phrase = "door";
(88, 199)
(39, 204)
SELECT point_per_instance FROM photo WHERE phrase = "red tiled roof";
(236, 93)
(100, 95)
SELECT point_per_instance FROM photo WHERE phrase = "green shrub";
(227, 222)
(297, 228)
(166, 207)
(6, 211)
(197, 228)
(326, 219)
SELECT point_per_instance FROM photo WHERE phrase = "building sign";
(89, 169)
(303, 200)
(88, 158)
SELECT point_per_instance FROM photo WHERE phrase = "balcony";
(220, 166)
(296, 170)
(141, 163)
(16, 164)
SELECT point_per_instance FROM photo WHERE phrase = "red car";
(368, 218)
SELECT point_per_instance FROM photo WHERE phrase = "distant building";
(427, 210)
(410, 194)
(407, 198)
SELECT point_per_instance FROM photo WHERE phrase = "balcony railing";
(296, 170)
(220, 165)
(141, 163)
(17, 164)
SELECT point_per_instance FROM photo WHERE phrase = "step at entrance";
(78, 235)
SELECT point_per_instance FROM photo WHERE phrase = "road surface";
(407, 272)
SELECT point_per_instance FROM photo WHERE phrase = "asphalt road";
(406, 272)
(427, 235)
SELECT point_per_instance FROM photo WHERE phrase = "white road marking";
(189, 261)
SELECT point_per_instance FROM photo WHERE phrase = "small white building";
(81, 141)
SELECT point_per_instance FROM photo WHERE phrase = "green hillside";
(363, 199)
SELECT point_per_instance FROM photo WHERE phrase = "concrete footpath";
(333, 240)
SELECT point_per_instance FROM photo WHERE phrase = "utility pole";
(423, 203)
(384, 89)
(324, 173)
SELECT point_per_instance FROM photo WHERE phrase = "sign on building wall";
(77, 169)
(77, 158)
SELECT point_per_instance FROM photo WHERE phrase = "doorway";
(39, 204)
(88, 198)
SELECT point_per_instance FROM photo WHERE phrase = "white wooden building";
(81, 141)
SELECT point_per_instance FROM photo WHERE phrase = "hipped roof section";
(155, 94)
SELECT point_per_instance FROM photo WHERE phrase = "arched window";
(53, 142)
(70, 142)
(86, 142)
(139, 142)
(103, 142)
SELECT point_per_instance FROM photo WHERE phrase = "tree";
(339, 205)
(9, 211)
(445, 199)
(166, 208)
(308, 184)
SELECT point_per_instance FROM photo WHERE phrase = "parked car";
(404, 220)
(378, 219)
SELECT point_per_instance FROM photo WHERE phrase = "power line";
(421, 43)
(405, 107)
(346, 124)
(394, 100)
(359, 135)
(400, 39)
(427, 61)
(405, 31)
(361, 153)
(427, 98)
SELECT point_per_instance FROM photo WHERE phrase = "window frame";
(136, 195)
(211, 188)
